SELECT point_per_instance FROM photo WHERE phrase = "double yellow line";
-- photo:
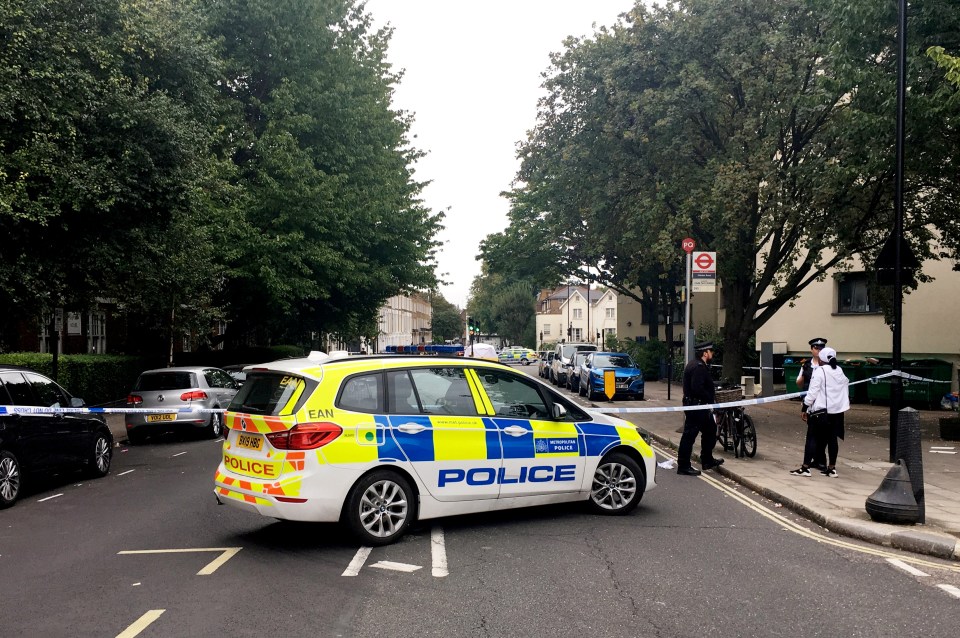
(796, 528)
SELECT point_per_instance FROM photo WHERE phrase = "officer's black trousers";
(697, 422)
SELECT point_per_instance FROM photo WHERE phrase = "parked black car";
(35, 443)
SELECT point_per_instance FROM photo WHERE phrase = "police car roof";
(302, 364)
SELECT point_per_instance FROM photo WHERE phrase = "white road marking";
(127, 472)
(941, 452)
(358, 560)
(910, 569)
(179, 454)
(141, 623)
(438, 551)
(135, 585)
(49, 497)
(397, 567)
(226, 553)
(941, 447)
(950, 589)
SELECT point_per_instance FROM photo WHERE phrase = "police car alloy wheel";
(9, 479)
(380, 507)
(617, 485)
(101, 457)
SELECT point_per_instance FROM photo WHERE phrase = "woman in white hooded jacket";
(827, 399)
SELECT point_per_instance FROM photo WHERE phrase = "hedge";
(101, 379)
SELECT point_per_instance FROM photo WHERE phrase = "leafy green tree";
(107, 118)
(763, 129)
(332, 221)
(446, 323)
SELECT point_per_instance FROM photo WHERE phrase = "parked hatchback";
(187, 387)
(628, 377)
(40, 443)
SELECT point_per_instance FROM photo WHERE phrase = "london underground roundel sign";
(704, 261)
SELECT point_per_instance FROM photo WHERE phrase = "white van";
(563, 360)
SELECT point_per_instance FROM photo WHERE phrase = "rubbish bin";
(926, 392)
(879, 391)
(856, 370)
(791, 368)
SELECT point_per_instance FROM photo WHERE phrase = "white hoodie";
(829, 388)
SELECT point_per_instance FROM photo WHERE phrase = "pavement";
(838, 504)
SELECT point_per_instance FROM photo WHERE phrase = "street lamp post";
(896, 390)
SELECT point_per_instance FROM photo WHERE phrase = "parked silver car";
(194, 386)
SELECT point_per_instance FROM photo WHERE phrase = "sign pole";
(688, 245)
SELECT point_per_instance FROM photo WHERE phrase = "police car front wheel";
(380, 507)
(617, 485)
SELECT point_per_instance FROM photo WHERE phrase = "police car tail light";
(305, 436)
(134, 399)
(196, 395)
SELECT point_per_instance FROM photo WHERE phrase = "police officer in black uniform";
(698, 389)
(815, 438)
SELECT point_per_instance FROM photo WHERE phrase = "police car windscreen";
(158, 381)
(264, 393)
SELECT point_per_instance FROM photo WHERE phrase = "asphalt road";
(698, 558)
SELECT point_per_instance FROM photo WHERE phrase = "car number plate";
(153, 418)
(621, 386)
(250, 441)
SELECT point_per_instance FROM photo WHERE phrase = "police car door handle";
(515, 430)
(411, 428)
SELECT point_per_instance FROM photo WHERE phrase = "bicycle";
(735, 428)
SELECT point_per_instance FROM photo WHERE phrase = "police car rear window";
(269, 393)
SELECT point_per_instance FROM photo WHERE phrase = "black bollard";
(893, 501)
(909, 449)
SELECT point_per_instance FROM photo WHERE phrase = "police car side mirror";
(559, 411)
(76, 402)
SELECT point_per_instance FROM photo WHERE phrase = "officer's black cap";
(702, 347)
(817, 342)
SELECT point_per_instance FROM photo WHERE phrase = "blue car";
(629, 377)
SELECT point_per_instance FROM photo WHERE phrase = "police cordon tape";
(29, 409)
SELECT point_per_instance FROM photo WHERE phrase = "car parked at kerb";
(34, 444)
(185, 387)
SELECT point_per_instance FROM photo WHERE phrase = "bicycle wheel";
(723, 429)
(749, 436)
(736, 432)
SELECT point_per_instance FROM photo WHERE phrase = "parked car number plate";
(152, 418)
(250, 441)
(621, 386)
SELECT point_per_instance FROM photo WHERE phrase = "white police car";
(379, 441)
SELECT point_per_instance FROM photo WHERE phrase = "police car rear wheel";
(380, 507)
(616, 485)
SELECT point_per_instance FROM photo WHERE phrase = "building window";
(611, 313)
(678, 315)
(854, 294)
(546, 329)
(578, 313)
(577, 334)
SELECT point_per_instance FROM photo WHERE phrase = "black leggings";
(822, 431)
(832, 431)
